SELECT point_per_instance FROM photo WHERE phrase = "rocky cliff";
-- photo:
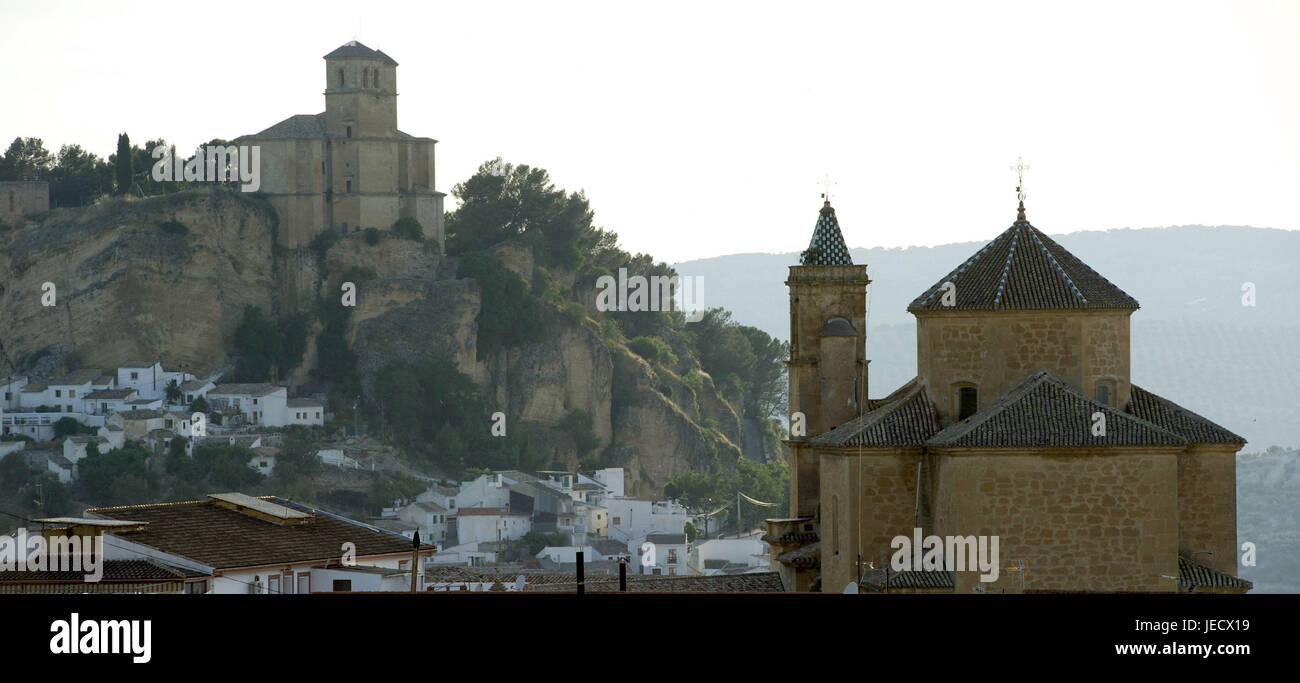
(169, 277)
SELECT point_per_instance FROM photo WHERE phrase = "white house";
(10, 389)
(304, 411)
(631, 518)
(145, 377)
(195, 389)
(273, 546)
(707, 556)
(67, 393)
(479, 524)
(108, 401)
(663, 554)
(487, 491)
(256, 404)
(263, 459)
(430, 518)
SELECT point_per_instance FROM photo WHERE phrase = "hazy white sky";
(704, 128)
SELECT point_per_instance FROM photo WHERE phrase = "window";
(69, 408)
(672, 556)
(9, 396)
(58, 393)
(254, 401)
(135, 375)
(304, 584)
(967, 402)
(72, 393)
(349, 186)
(365, 78)
(1106, 392)
(273, 584)
(349, 131)
(196, 587)
(617, 521)
(342, 585)
(340, 78)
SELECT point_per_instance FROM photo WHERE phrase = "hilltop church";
(1021, 423)
(349, 167)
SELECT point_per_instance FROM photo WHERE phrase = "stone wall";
(885, 480)
(1081, 519)
(1207, 506)
(997, 350)
(21, 197)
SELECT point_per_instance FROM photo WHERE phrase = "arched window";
(365, 78)
(340, 78)
(967, 402)
(1106, 392)
(375, 80)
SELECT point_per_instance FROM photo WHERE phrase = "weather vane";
(1020, 169)
(826, 187)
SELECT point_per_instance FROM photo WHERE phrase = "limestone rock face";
(130, 288)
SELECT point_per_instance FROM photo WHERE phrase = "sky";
(700, 129)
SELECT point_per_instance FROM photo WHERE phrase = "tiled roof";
(666, 539)
(792, 537)
(757, 582)
(827, 246)
(194, 384)
(1044, 411)
(1024, 269)
(224, 538)
(296, 127)
(355, 49)
(255, 389)
(805, 556)
(470, 512)
(1192, 575)
(141, 414)
(305, 403)
(109, 394)
(114, 570)
(1177, 419)
(907, 420)
(607, 546)
(880, 580)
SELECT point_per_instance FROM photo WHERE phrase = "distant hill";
(1192, 341)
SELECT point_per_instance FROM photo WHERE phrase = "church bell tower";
(828, 365)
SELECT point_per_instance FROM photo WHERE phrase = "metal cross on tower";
(1020, 169)
(826, 187)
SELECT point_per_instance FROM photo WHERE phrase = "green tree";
(123, 168)
(66, 426)
(258, 346)
(502, 201)
(117, 477)
(174, 393)
(26, 159)
(510, 315)
(79, 177)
